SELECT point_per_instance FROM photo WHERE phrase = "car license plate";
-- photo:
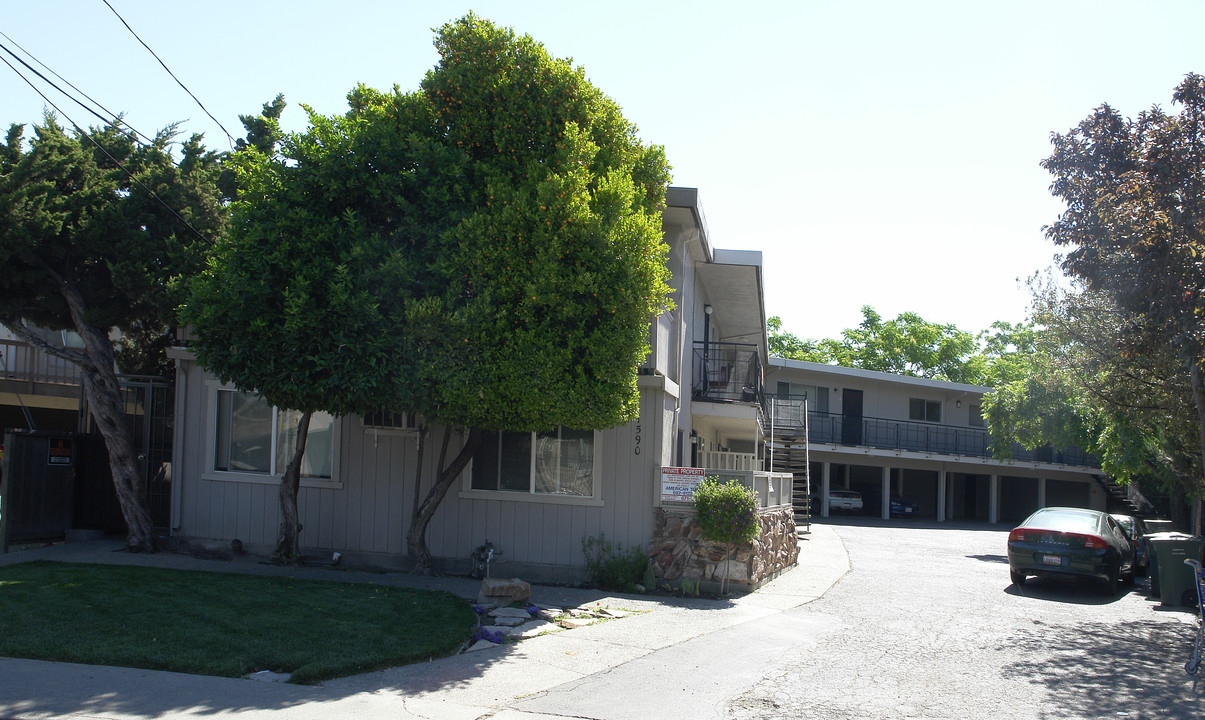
(1052, 560)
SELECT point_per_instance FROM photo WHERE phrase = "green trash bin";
(1152, 547)
(1177, 586)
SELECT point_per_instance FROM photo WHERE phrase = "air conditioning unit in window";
(391, 421)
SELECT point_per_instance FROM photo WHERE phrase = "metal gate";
(150, 408)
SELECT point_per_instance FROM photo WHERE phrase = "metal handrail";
(911, 435)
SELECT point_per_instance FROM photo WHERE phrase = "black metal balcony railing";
(836, 429)
(728, 372)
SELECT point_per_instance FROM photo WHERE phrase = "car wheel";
(1109, 584)
(1018, 578)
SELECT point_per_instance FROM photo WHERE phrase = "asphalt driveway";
(931, 627)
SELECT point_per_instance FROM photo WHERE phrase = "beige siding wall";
(370, 509)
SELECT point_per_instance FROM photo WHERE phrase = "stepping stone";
(510, 612)
(611, 612)
(508, 621)
(532, 629)
(576, 622)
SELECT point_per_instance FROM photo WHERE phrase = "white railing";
(773, 489)
(729, 460)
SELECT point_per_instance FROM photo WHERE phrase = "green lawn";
(212, 623)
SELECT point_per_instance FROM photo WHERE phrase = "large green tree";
(485, 252)
(906, 345)
(97, 232)
(1099, 380)
(1134, 192)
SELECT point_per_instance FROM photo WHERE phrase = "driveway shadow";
(1074, 590)
(1095, 669)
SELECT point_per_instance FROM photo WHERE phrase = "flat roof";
(875, 375)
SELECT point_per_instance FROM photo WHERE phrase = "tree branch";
(16, 326)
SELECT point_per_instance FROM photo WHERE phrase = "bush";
(728, 512)
(610, 567)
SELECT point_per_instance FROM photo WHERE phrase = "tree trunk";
(418, 467)
(288, 545)
(1198, 394)
(416, 537)
(102, 390)
(727, 569)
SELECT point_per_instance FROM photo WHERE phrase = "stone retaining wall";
(679, 551)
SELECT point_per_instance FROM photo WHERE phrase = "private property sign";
(59, 452)
(678, 483)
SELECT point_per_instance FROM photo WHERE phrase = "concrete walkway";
(525, 680)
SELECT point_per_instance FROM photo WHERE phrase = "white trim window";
(252, 440)
(557, 465)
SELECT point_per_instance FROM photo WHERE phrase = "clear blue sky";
(881, 153)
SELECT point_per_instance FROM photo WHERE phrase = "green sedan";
(1060, 541)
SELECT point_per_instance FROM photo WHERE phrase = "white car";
(849, 500)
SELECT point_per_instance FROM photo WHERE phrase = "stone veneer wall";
(679, 551)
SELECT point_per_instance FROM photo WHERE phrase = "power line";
(114, 160)
(169, 72)
(111, 120)
(68, 83)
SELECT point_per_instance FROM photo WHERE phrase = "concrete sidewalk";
(490, 683)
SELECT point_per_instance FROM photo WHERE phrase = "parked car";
(901, 507)
(849, 500)
(1136, 530)
(872, 503)
(1061, 541)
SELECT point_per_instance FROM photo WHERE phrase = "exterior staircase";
(1125, 499)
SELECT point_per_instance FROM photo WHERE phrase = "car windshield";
(1082, 521)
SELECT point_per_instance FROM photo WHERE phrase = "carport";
(966, 491)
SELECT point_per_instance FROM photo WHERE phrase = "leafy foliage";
(727, 512)
(1095, 381)
(910, 345)
(1134, 192)
(610, 567)
(485, 252)
(118, 221)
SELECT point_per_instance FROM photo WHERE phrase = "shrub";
(610, 567)
(728, 512)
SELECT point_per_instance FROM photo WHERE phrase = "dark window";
(925, 410)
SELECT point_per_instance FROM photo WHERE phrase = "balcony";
(728, 372)
(22, 362)
(912, 436)
(724, 460)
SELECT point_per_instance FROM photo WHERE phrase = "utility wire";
(115, 161)
(111, 120)
(111, 117)
(169, 72)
